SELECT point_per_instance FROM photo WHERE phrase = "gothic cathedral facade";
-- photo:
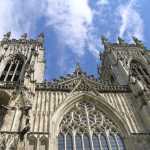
(77, 111)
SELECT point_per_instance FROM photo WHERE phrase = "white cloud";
(103, 2)
(131, 21)
(72, 20)
(19, 16)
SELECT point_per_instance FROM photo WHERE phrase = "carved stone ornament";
(24, 36)
(7, 36)
(2, 142)
(138, 42)
(12, 142)
(121, 41)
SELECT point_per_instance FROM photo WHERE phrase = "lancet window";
(87, 128)
(140, 72)
(12, 70)
(33, 143)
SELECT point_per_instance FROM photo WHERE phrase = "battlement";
(39, 41)
(122, 44)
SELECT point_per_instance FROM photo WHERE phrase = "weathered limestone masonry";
(76, 111)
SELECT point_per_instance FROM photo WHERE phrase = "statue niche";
(4, 101)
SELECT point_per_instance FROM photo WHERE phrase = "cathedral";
(77, 111)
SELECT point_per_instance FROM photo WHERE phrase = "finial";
(138, 42)
(41, 37)
(120, 40)
(104, 39)
(24, 36)
(78, 69)
(7, 35)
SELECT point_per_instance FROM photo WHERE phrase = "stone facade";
(35, 113)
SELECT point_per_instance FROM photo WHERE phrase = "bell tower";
(21, 67)
(129, 64)
(19, 59)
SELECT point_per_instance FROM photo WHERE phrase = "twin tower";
(77, 111)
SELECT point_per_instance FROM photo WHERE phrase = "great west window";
(87, 128)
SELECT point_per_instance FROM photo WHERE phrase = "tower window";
(12, 70)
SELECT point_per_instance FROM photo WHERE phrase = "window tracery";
(92, 128)
(12, 70)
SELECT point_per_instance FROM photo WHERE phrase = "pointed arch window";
(89, 126)
(12, 69)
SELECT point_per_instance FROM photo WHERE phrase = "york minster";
(76, 111)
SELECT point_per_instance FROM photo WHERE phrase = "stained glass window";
(113, 142)
(69, 142)
(61, 142)
(120, 142)
(87, 142)
(104, 142)
(96, 142)
(83, 119)
(78, 142)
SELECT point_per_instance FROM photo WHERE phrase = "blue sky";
(73, 28)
